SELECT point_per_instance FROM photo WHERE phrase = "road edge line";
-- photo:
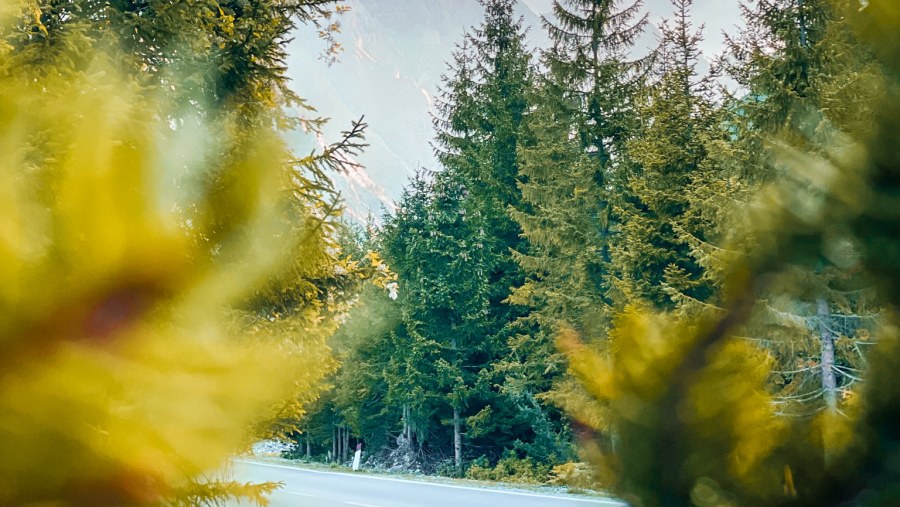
(609, 502)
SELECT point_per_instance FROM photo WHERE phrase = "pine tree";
(413, 384)
(652, 263)
(576, 136)
(562, 263)
(817, 79)
(570, 160)
(559, 217)
(481, 111)
(591, 40)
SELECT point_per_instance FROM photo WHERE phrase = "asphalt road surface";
(317, 488)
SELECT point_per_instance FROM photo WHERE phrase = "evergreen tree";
(174, 113)
(478, 126)
(562, 263)
(652, 263)
(794, 58)
(412, 384)
(561, 217)
(137, 341)
(806, 76)
(589, 63)
(575, 138)
(695, 421)
(570, 160)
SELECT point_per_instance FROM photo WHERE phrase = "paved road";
(316, 488)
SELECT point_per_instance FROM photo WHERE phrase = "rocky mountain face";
(389, 71)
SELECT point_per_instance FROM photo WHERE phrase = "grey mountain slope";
(394, 55)
(390, 69)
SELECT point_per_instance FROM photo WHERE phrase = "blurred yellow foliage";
(722, 411)
(128, 235)
(684, 405)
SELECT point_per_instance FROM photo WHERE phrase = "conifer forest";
(663, 276)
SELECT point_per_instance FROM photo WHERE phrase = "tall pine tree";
(570, 158)
(576, 136)
(652, 263)
(479, 124)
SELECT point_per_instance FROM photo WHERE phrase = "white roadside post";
(356, 457)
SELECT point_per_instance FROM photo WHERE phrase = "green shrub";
(480, 469)
(509, 469)
(447, 469)
(573, 475)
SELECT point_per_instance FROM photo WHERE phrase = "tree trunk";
(802, 23)
(829, 382)
(346, 455)
(406, 421)
(457, 440)
(308, 453)
(334, 444)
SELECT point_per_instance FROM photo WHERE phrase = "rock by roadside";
(270, 448)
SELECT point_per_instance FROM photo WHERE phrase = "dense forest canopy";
(623, 262)
(622, 275)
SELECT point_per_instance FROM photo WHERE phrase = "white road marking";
(344, 501)
(614, 503)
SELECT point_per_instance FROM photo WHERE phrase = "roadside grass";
(473, 483)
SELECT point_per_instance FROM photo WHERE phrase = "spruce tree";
(562, 262)
(570, 160)
(573, 151)
(589, 62)
(482, 106)
(413, 386)
(806, 77)
(696, 424)
(652, 263)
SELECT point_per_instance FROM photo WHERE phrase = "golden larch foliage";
(123, 375)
